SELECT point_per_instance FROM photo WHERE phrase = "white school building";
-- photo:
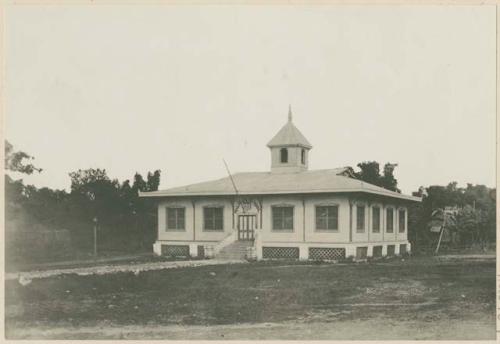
(289, 212)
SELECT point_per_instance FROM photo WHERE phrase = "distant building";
(289, 212)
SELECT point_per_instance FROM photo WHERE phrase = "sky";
(179, 88)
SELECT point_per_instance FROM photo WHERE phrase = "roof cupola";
(289, 149)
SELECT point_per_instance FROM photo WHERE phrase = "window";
(282, 218)
(213, 218)
(175, 219)
(284, 155)
(402, 221)
(390, 220)
(360, 218)
(376, 219)
(327, 218)
(303, 157)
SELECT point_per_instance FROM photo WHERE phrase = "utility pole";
(442, 231)
(95, 236)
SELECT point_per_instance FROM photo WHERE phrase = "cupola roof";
(289, 135)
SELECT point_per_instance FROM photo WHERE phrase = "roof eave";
(269, 145)
(285, 192)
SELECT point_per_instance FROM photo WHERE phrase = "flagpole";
(231, 177)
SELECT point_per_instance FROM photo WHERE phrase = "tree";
(126, 222)
(420, 192)
(475, 219)
(15, 161)
(139, 183)
(97, 194)
(124, 218)
(14, 189)
(387, 180)
(14, 193)
(370, 173)
(146, 208)
(153, 180)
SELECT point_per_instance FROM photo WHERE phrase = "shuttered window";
(175, 219)
(390, 220)
(282, 218)
(284, 155)
(376, 219)
(402, 221)
(213, 218)
(360, 218)
(327, 218)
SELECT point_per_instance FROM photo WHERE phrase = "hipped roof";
(289, 135)
(263, 183)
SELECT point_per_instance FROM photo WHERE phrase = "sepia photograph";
(249, 171)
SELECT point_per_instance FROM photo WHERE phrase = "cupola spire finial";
(289, 113)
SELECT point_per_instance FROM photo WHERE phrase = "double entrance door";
(246, 227)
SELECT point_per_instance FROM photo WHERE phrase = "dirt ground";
(353, 330)
(417, 298)
(101, 269)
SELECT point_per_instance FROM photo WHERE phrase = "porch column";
(384, 214)
(258, 244)
(194, 219)
(369, 252)
(350, 220)
(157, 248)
(303, 252)
(350, 250)
(193, 250)
(368, 223)
(303, 220)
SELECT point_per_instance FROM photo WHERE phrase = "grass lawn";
(418, 298)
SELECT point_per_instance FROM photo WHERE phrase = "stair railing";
(252, 250)
(229, 239)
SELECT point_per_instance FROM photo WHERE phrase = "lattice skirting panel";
(377, 251)
(402, 249)
(280, 252)
(391, 250)
(326, 253)
(175, 250)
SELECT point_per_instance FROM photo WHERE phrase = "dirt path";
(26, 277)
(468, 256)
(344, 330)
(81, 263)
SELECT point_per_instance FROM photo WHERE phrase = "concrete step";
(235, 250)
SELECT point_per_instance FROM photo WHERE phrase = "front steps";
(234, 251)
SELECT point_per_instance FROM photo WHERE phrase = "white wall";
(194, 220)
(294, 159)
(368, 235)
(267, 233)
(305, 221)
(318, 236)
(304, 227)
(163, 234)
